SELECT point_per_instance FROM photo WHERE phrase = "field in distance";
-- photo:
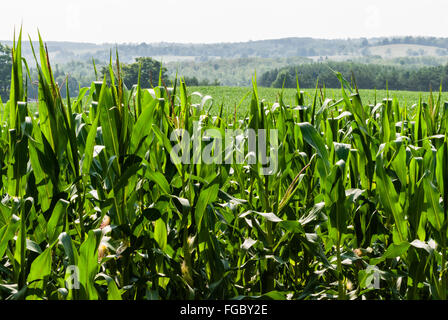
(232, 96)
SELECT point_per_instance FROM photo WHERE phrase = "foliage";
(150, 70)
(194, 82)
(5, 70)
(146, 68)
(367, 76)
(66, 52)
(230, 72)
(238, 99)
(361, 194)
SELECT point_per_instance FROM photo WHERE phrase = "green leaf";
(182, 204)
(207, 196)
(109, 123)
(248, 243)
(292, 226)
(160, 233)
(40, 269)
(334, 194)
(274, 295)
(142, 128)
(112, 291)
(69, 248)
(56, 222)
(313, 138)
(159, 179)
(393, 251)
(152, 214)
(88, 265)
(389, 199)
(342, 150)
(45, 166)
(270, 216)
(90, 143)
(7, 233)
(33, 246)
(128, 173)
(164, 141)
(435, 210)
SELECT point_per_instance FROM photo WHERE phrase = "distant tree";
(5, 71)
(365, 52)
(312, 52)
(408, 40)
(150, 70)
(411, 52)
(191, 82)
(268, 78)
(441, 52)
(367, 76)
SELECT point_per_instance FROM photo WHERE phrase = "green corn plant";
(105, 185)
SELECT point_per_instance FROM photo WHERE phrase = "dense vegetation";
(232, 64)
(279, 48)
(146, 70)
(236, 100)
(357, 208)
(367, 76)
(78, 77)
(230, 72)
(64, 52)
(5, 71)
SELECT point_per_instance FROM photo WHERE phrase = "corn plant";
(104, 196)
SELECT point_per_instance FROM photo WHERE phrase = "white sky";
(118, 21)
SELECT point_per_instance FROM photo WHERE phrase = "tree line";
(403, 76)
(65, 52)
(366, 76)
(76, 75)
(5, 71)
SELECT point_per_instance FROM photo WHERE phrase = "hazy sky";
(119, 21)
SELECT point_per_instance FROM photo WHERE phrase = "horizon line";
(232, 42)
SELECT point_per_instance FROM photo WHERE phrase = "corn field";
(93, 207)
